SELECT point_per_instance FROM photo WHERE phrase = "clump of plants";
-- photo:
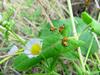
(60, 45)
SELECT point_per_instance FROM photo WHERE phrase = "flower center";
(36, 48)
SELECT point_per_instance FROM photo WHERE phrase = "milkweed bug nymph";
(64, 43)
(65, 39)
(61, 28)
(52, 29)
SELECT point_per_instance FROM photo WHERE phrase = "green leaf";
(22, 62)
(70, 55)
(52, 44)
(7, 14)
(52, 40)
(86, 17)
(91, 22)
(95, 27)
(78, 69)
(86, 36)
(57, 23)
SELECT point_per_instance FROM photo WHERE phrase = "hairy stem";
(75, 32)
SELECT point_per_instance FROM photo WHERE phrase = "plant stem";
(19, 51)
(97, 4)
(51, 24)
(88, 51)
(2, 29)
(97, 58)
(5, 59)
(75, 33)
(4, 5)
(18, 37)
(95, 36)
(64, 67)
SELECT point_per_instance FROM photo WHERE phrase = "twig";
(7, 55)
(51, 24)
(17, 73)
(16, 12)
(59, 5)
(5, 66)
(5, 59)
(97, 4)
(2, 29)
(3, 4)
(31, 23)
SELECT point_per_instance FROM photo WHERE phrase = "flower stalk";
(75, 33)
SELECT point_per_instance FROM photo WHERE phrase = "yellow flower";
(33, 47)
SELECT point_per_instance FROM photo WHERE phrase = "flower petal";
(13, 50)
(33, 41)
(0, 17)
(29, 44)
(27, 52)
(31, 56)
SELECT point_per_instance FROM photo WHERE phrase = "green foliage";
(78, 69)
(9, 25)
(91, 22)
(7, 22)
(32, 15)
(52, 73)
(86, 36)
(25, 62)
(1, 73)
(86, 18)
(52, 46)
(29, 3)
(70, 55)
(56, 52)
(8, 14)
(27, 30)
(95, 27)
(36, 74)
(57, 23)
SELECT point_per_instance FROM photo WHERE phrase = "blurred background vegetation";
(29, 16)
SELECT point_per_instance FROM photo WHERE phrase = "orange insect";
(52, 29)
(64, 41)
(61, 28)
